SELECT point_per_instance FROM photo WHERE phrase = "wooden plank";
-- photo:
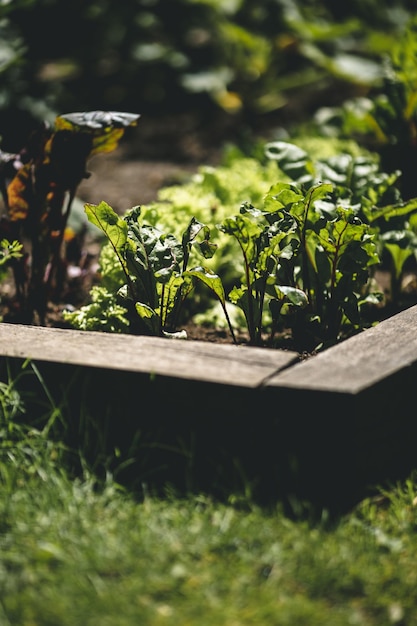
(322, 429)
(360, 362)
(348, 423)
(179, 413)
(224, 364)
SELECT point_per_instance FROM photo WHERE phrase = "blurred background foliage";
(244, 60)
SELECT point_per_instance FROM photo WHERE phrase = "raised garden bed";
(219, 417)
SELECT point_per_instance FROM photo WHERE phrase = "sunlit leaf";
(106, 127)
(292, 160)
(211, 280)
(96, 121)
(149, 317)
(114, 227)
(195, 229)
(297, 297)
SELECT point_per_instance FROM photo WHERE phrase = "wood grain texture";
(360, 362)
(194, 360)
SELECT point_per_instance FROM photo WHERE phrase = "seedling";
(309, 264)
(155, 279)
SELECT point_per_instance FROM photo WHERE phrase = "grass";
(73, 553)
(76, 551)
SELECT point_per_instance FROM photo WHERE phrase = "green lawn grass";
(83, 552)
(73, 553)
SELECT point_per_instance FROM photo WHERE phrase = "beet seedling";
(305, 256)
(155, 279)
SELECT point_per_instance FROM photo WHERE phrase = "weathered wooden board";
(223, 364)
(323, 429)
(359, 362)
(350, 419)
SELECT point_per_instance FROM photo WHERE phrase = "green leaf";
(104, 217)
(105, 127)
(292, 160)
(297, 297)
(193, 229)
(399, 256)
(393, 210)
(165, 257)
(149, 317)
(213, 281)
(271, 250)
(318, 192)
(246, 231)
(282, 196)
(237, 293)
(203, 245)
(103, 313)
(10, 250)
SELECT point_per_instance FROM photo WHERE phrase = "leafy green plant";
(386, 119)
(308, 257)
(38, 198)
(375, 194)
(301, 257)
(155, 279)
(235, 56)
(10, 251)
(209, 196)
